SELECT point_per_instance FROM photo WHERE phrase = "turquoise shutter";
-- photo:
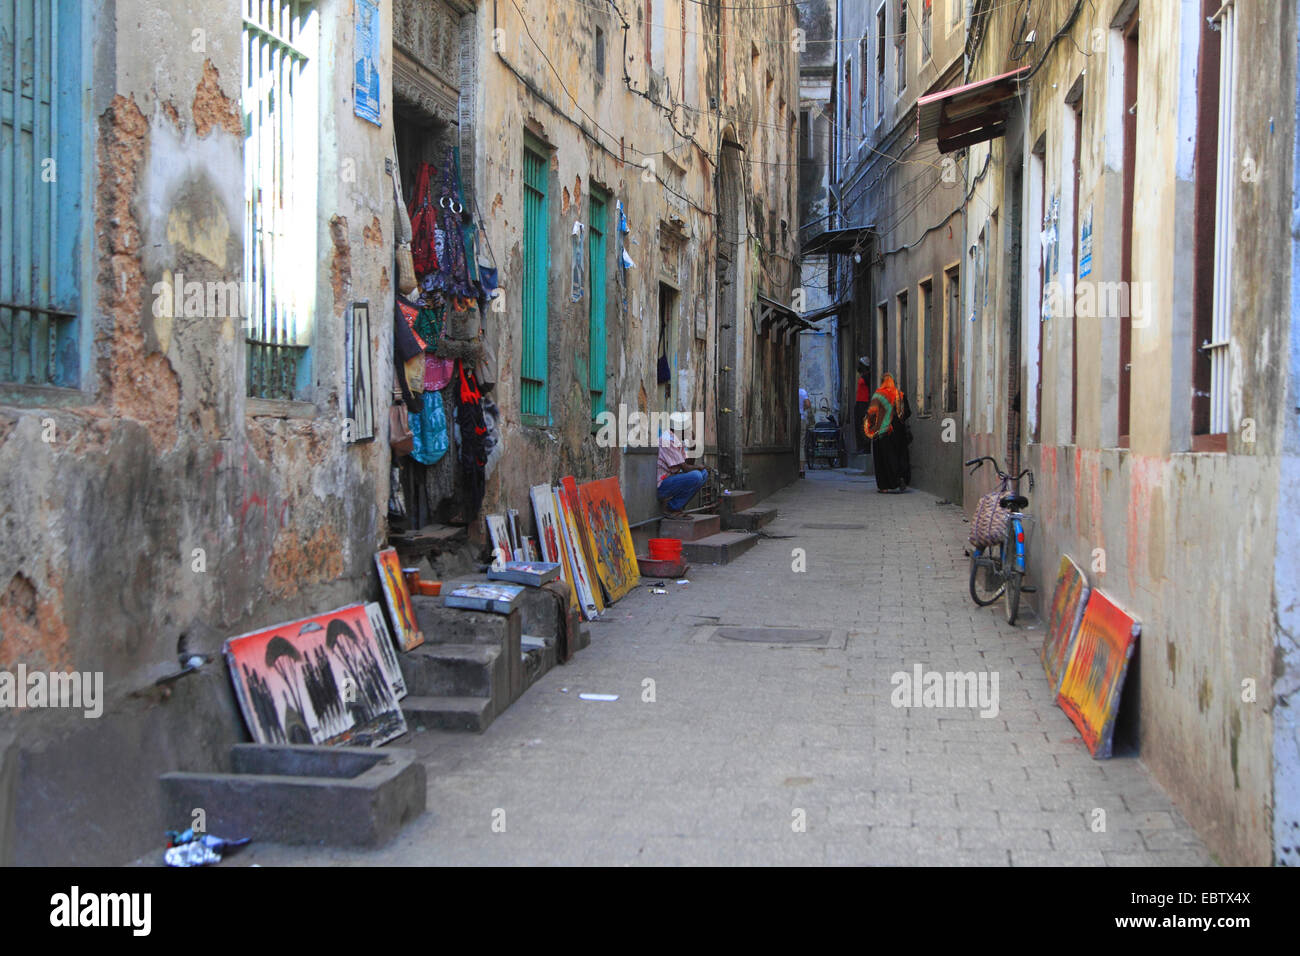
(533, 397)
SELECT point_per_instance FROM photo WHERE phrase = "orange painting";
(1094, 674)
(397, 598)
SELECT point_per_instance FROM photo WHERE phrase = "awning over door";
(841, 241)
(968, 114)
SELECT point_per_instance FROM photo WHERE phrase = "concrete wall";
(159, 452)
(1186, 541)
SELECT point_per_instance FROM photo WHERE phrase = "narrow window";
(600, 53)
(1126, 242)
(848, 96)
(279, 198)
(925, 29)
(900, 46)
(926, 345)
(952, 325)
(1076, 124)
(41, 204)
(864, 71)
(534, 403)
(880, 63)
(596, 316)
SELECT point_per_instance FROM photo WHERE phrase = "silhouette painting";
(320, 680)
(397, 598)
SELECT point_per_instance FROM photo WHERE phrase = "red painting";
(1094, 674)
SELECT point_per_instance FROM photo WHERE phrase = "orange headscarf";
(885, 407)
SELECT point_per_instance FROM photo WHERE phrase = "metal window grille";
(40, 190)
(278, 206)
(1221, 334)
(533, 397)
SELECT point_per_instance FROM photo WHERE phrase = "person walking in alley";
(678, 479)
(886, 425)
(861, 402)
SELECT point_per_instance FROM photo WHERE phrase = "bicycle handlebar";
(976, 462)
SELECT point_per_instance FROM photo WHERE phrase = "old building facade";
(183, 451)
(1131, 339)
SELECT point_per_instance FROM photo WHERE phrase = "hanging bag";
(989, 526)
(400, 436)
(424, 223)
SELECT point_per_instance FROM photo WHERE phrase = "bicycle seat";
(1014, 502)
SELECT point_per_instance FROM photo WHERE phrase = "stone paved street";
(742, 736)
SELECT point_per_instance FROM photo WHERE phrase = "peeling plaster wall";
(1188, 542)
(160, 452)
(523, 92)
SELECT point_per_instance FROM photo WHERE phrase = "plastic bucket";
(665, 549)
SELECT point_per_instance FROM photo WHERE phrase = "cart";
(827, 444)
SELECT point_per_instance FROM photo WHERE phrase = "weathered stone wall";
(649, 138)
(1155, 523)
(169, 511)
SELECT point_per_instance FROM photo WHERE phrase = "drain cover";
(836, 527)
(773, 635)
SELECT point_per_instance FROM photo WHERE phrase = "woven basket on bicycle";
(989, 526)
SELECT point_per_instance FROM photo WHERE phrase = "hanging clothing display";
(429, 428)
(472, 432)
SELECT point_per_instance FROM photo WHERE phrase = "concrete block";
(721, 548)
(751, 519)
(690, 527)
(449, 713)
(735, 500)
(455, 670)
(449, 625)
(334, 796)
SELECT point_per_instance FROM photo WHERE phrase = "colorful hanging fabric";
(424, 221)
(430, 431)
(454, 272)
(428, 325)
(473, 436)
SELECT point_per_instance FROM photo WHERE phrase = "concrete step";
(734, 501)
(538, 655)
(448, 713)
(751, 519)
(691, 527)
(721, 548)
(454, 670)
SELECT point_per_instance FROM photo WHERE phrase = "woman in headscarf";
(885, 425)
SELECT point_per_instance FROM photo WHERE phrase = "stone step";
(691, 527)
(448, 713)
(538, 655)
(751, 519)
(721, 548)
(735, 500)
(454, 670)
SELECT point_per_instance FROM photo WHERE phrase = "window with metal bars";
(1216, 347)
(42, 190)
(534, 402)
(279, 107)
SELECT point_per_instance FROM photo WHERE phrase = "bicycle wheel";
(986, 580)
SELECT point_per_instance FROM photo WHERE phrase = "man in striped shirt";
(678, 479)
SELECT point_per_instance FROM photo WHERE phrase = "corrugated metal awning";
(968, 114)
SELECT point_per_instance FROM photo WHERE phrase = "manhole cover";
(836, 527)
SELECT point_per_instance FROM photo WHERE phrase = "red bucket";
(665, 549)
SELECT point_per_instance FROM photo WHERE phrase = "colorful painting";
(387, 649)
(499, 532)
(588, 590)
(606, 521)
(397, 597)
(1068, 602)
(319, 680)
(549, 536)
(1094, 675)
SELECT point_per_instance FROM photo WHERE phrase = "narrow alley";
(741, 735)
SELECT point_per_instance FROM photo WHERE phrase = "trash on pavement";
(599, 696)
(190, 849)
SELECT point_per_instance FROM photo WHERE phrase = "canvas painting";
(549, 541)
(318, 680)
(398, 599)
(1068, 601)
(387, 649)
(588, 589)
(606, 521)
(568, 490)
(1094, 674)
(499, 532)
(360, 410)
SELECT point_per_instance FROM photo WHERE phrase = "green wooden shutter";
(596, 268)
(41, 128)
(534, 404)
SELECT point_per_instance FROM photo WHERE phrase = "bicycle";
(1003, 564)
